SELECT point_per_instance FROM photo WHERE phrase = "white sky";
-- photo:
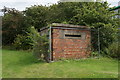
(22, 4)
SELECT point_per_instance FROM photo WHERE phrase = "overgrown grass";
(21, 64)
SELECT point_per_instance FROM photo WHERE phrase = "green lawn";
(21, 64)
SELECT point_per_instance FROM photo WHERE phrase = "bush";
(94, 54)
(113, 50)
(40, 44)
(41, 48)
(22, 42)
(33, 40)
(27, 40)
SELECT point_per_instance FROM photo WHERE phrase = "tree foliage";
(13, 23)
(93, 14)
(36, 16)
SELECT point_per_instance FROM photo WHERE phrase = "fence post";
(99, 42)
(50, 44)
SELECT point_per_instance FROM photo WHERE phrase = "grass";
(21, 64)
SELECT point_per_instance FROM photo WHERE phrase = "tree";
(93, 14)
(36, 16)
(96, 15)
(13, 23)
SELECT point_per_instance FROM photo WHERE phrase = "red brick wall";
(70, 48)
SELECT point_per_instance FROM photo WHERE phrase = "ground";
(22, 64)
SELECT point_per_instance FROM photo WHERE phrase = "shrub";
(113, 50)
(40, 44)
(41, 48)
(27, 40)
(94, 54)
(33, 40)
(22, 42)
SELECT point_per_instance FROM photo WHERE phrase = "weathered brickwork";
(68, 41)
(71, 47)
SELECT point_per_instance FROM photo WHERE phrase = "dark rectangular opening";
(72, 35)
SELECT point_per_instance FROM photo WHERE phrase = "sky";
(22, 4)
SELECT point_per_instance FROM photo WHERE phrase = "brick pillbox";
(68, 41)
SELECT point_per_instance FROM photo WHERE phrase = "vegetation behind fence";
(96, 15)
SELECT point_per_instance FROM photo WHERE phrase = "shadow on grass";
(29, 60)
(19, 58)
